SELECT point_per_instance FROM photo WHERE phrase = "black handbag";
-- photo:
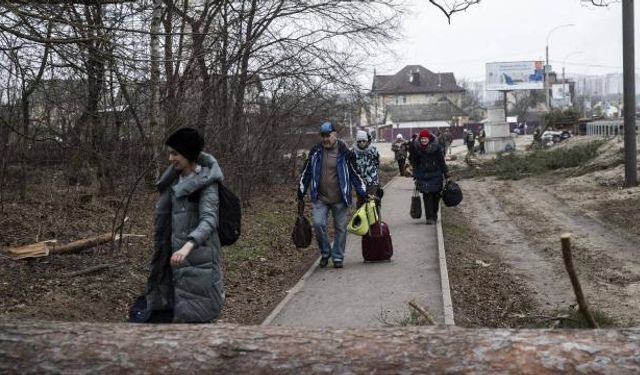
(416, 205)
(301, 234)
(451, 194)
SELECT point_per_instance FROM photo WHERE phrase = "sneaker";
(323, 262)
(337, 264)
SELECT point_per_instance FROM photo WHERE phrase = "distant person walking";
(367, 162)
(537, 138)
(470, 141)
(400, 149)
(481, 138)
(430, 170)
(445, 140)
(186, 267)
(330, 171)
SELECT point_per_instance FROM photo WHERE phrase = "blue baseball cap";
(327, 127)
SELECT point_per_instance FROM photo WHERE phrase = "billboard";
(515, 75)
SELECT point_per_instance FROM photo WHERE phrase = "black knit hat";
(187, 141)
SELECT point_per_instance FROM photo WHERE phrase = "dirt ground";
(503, 243)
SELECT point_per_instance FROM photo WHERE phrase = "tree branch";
(449, 10)
(600, 3)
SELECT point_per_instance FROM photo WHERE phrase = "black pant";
(470, 146)
(431, 202)
(401, 165)
(482, 147)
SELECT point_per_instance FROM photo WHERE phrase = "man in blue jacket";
(330, 171)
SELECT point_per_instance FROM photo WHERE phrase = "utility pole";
(546, 76)
(564, 85)
(546, 66)
(505, 104)
(584, 88)
(629, 88)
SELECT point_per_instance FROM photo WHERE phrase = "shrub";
(514, 166)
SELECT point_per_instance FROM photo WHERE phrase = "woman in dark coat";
(429, 171)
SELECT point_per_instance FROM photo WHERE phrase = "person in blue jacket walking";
(329, 172)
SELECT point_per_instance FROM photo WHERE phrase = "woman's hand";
(178, 258)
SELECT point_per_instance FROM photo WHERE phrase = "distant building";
(420, 88)
(411, 118)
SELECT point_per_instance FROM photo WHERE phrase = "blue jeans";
(320, 217)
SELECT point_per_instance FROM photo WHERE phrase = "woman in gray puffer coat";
(186, 267)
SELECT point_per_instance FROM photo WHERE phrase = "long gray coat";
(188, 210)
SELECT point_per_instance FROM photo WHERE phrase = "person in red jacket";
(430, 171)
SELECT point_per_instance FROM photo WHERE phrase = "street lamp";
(546, 67)
(563, 62)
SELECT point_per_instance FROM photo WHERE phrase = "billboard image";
(515, 75)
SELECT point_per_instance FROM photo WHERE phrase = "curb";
(290, 293)
(444, 275)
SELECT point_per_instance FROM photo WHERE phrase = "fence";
(609, 129)
(605, 128)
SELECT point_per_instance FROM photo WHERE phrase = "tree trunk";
(24, 145)
(154, 67)
(67, 347)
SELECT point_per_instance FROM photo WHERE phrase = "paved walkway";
(368, 294)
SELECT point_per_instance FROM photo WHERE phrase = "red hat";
(425, 134)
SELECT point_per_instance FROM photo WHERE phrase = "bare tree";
(234, 69)
(523, 100)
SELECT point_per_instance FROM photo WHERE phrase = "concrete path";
(370, 294)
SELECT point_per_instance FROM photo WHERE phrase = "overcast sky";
(509, 30)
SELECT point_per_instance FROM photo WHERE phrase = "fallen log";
(76, 246)
(44, 248)
(93, 269)
(69, 347)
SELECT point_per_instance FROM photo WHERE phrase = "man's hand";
(179, 257)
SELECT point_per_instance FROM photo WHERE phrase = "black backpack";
(229, 216)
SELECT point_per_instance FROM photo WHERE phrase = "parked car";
(555, 136)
